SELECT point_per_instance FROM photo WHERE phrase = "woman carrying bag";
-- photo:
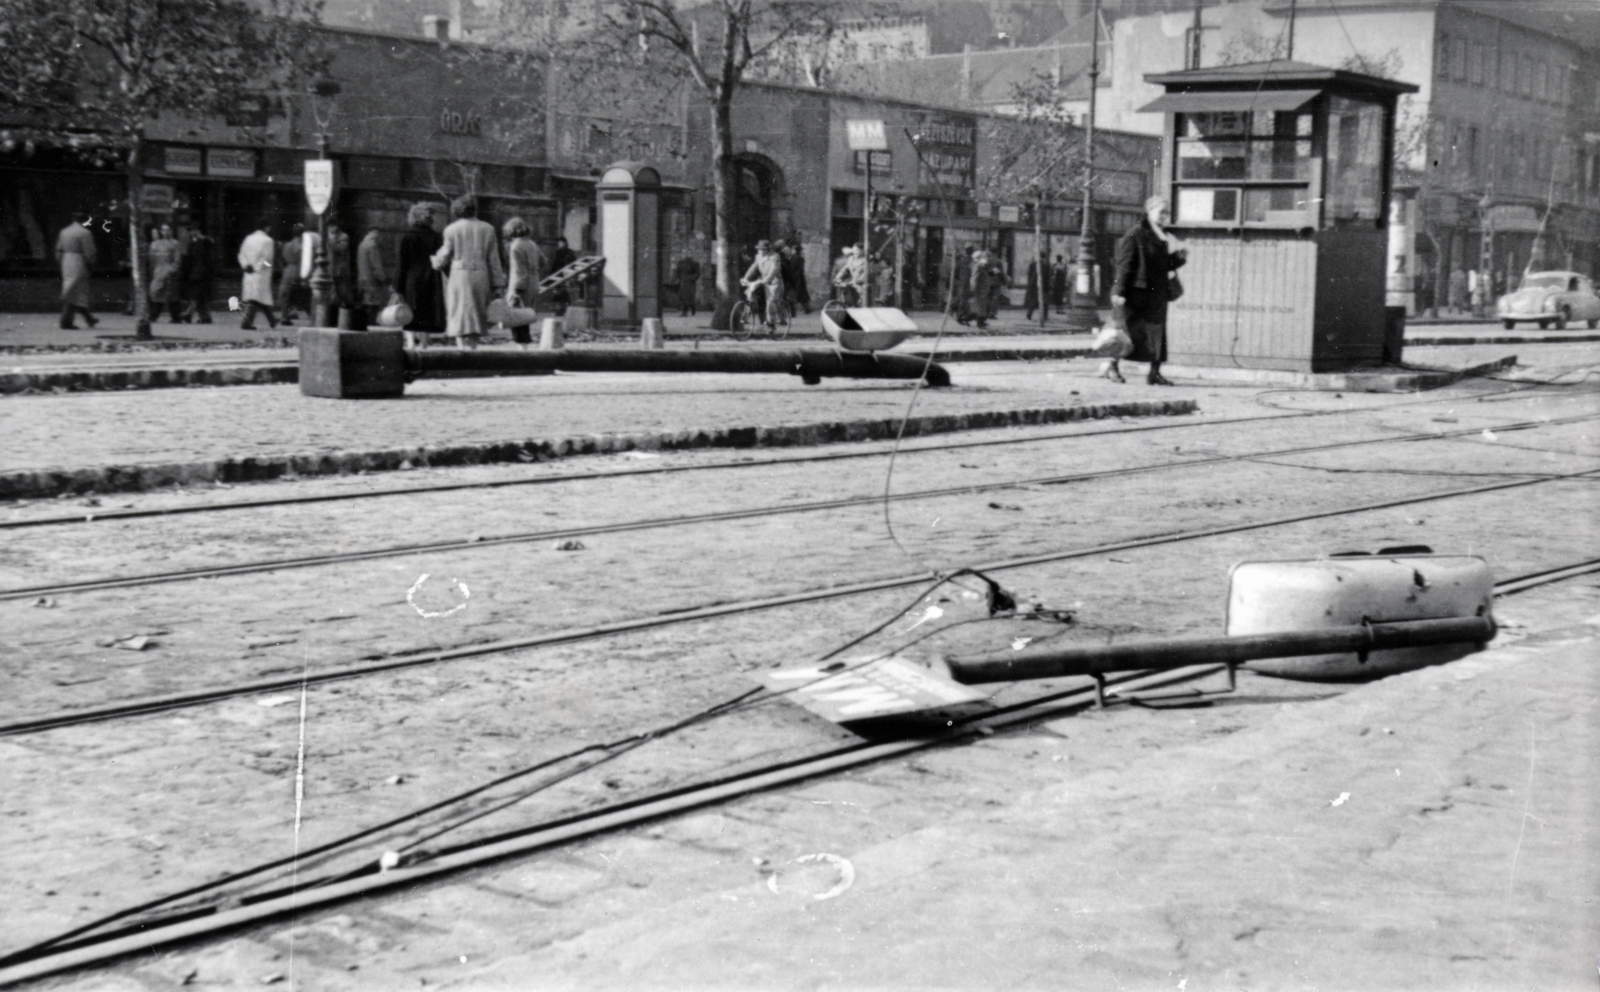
(525, 262)
(1147, 256)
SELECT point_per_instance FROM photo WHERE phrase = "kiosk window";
(1355, 161)
(1263, 157)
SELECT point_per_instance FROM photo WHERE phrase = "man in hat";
(75, 252)
(763, 282)
(851, 278)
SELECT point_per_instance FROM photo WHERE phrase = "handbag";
(396, 314)
(507, 315)
(1174, 287)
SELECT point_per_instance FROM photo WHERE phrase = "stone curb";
(48, 483)
(98, 380)
(1501, 339)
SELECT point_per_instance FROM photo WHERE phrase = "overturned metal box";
(1266, 597)
(346, 365)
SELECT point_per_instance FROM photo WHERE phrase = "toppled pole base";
(1099, 659)
(352, 365)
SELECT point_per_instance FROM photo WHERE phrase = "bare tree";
(635, 56)
(89, 74)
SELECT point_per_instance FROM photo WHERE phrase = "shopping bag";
(503, 313)
(396, 314)
(1112, 342)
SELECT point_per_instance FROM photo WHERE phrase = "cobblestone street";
(1136, 846)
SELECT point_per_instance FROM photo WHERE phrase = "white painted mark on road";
(1344, 797)
(416, 587)
(847, 875)
(1020, 643)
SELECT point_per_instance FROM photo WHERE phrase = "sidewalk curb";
(105, 380)
(47, 483)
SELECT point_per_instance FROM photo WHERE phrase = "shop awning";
(1213, 101)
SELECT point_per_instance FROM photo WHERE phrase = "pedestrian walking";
(1036, 292)
(198, 269)
(794, 277)
(524, 263)
(960, 287)
(416, 280)
(76, 254)
(1058, 283)
(290, 283)
(472, 258)
(341, 271)
(255, 259)
(560, 258)
(166, 263)
(372, 279)
(1478, 288)
(1146, 258)
(687, 273)
(1457, 290)
(981, 287)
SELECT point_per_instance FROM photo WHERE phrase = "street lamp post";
(321, 278)
(1485, 251)
(1085, 298)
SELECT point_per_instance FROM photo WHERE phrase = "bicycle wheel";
(739, 321)
(780, 329)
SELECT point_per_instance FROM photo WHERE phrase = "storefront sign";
(985, 210)
(882, 163)
(1120, 187)
(946, 153)
(319, 184)
(181, 161)
(866, 136)
(1514, 217)
(466, 123)
(1009, 214)
(156, 198)
(233, 163)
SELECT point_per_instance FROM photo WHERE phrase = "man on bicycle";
(763, 283)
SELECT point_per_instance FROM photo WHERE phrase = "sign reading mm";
(866, 136)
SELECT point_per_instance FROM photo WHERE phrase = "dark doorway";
(752, 205)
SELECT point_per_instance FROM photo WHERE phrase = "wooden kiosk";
(1279, 175)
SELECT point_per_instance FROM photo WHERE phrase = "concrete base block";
(582, 318)
(346, 365)
(651, 333)
(552, 334)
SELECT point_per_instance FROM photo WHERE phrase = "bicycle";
(743, 319)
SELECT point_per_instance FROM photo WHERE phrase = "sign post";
(319, 196)
(867, 136)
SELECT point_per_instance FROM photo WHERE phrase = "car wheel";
(1593, 323)
(1544, 325)
(1561, 321)
(1509, 325)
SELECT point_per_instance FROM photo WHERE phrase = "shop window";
(1475, 64)
(1460, 60)
(35, 206)
(1263, 157)
(1355, 161)
(1441, 58)
(1508, 72)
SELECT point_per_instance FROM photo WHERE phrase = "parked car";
(1551, 298)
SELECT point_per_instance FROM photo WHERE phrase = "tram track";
(149, 926)
(196, 698)
(556, 534)
(885, 451)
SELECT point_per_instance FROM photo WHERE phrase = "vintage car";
(1550, 298)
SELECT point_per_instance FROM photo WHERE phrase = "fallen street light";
(376, 364)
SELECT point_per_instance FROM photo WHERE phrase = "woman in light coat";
(472, 259)
(525, 262)
(166, 289)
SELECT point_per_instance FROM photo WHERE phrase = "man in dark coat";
(687, 273)
(560, 258)
(794, 276)
(196, 274)
(1145, 265)
(415, 278)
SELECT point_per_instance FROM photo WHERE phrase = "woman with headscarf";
(472, 258)
(415, 279)
(1146, 258)
(525, 262)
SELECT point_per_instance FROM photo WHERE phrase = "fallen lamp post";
(1099, 659)
(376, 364)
